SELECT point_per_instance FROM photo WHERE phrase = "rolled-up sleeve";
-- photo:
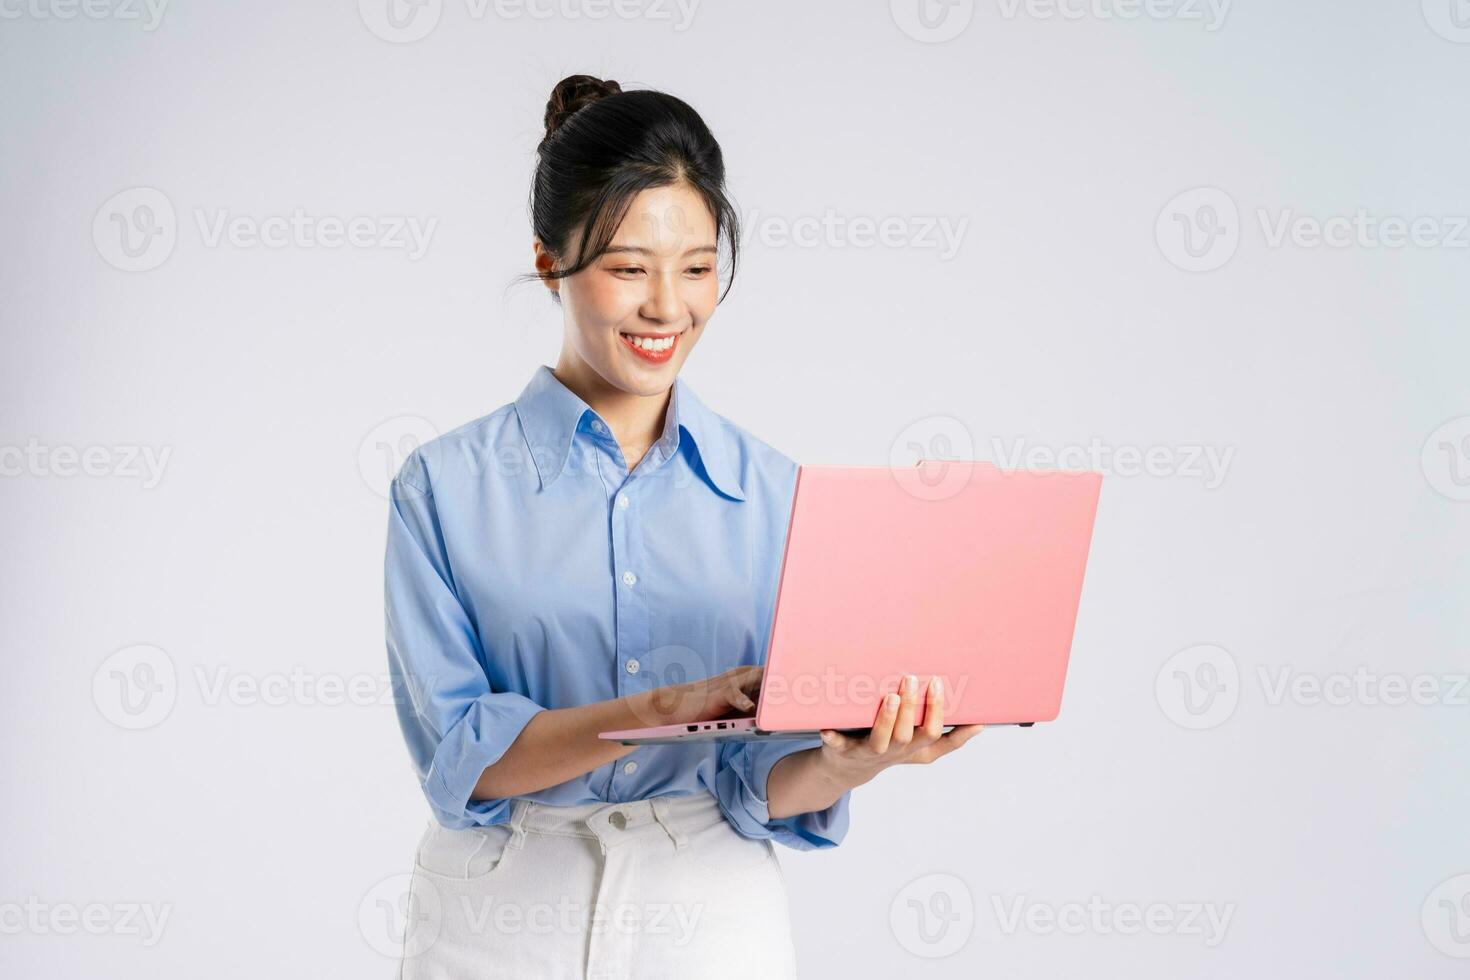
(454, 724)
(740, 786)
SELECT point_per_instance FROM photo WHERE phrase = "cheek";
(701, 298)
(600, 303)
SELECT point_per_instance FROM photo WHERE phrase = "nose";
(663, 303)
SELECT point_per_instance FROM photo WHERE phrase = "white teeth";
(649, 344)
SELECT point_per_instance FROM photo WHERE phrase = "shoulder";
(468, 450)
(759, 465)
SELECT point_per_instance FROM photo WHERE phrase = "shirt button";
(630, 767)
(623, 501)
(629, 578)
(632, 666)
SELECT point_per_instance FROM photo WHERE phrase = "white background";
(1334, 542)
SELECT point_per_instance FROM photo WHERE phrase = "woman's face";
(657, 282)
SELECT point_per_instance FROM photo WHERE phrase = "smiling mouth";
(655, 348)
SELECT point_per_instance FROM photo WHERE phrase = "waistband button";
(617, 819)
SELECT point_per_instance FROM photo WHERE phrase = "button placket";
(632, 625)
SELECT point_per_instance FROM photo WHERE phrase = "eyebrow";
(640, 250)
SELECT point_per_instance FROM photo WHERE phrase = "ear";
(545, 262)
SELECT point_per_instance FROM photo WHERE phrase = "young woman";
(603, 553)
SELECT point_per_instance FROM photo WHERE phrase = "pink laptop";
(956, 568)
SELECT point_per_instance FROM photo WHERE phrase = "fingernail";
(910, 682)
(938, 684)
(891, 701)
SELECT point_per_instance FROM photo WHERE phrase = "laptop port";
(720, 725)
(693, 728)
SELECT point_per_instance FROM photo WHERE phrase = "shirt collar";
(550, 413)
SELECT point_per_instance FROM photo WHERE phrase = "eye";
(699, 270)
(627, 268)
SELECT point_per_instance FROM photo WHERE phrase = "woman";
(602, 553)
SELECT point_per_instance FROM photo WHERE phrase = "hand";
(894, 740)
(732, 692)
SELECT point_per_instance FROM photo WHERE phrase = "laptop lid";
(958, 568)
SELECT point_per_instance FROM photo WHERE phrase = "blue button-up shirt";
(528, 569)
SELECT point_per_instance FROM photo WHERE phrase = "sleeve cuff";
(474, 744)
(742, 787)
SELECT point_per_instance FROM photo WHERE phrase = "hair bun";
(573, 93)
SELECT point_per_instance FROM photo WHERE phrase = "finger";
(934, 709)
(744, 683)
(836, 740)
(908, 700)
(960, 734)
(882, 732)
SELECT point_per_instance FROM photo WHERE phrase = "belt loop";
(665, 819)
(518, 810)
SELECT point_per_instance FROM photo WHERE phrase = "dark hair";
(602, 146)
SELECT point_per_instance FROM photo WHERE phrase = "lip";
(652, 357)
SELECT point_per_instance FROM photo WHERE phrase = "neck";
(635, 420)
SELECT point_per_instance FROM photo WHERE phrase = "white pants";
(656, 889)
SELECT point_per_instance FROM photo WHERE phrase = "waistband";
(613, 824)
